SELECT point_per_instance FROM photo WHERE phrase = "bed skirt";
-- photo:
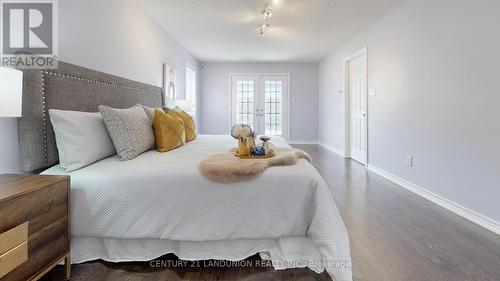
(283, 253)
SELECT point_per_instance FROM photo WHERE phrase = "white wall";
(112, 36)
(434, 64)
(215, 98)
(118, 37)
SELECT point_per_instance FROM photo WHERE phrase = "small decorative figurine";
(265, 143)
(258, 151)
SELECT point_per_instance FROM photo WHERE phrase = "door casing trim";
(347, 103)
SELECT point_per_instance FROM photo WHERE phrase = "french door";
(261, 101)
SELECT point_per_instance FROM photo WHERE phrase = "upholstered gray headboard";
(69, 87)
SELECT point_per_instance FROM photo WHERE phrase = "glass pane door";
(261, 102)
(245, 102)
(273, 104)
(273, 107)
(244, 92)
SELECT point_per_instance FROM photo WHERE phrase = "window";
(191, 86)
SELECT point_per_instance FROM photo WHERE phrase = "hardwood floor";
(395, 236)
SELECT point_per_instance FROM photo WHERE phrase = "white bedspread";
(163, 196)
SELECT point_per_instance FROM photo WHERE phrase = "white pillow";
(81, 138)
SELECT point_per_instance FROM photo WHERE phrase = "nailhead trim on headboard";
(83, 79)
(44, 115)
(96, 82)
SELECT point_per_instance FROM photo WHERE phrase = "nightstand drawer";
(13, 258)
(40, 208)
(12, 238)
(34, 226)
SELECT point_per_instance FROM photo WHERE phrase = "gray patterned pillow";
(130, 130)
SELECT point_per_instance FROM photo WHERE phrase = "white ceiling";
(301, 31)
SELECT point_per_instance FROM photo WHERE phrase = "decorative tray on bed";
(270, 155)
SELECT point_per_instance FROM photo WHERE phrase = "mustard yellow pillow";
(189, 125)
(169, 131)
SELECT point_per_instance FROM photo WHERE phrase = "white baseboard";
(451, 206)
(333, 149)
(303, 142)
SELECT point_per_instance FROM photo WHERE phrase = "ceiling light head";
(268, 14)
(262, 30)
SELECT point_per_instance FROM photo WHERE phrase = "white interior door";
(261, 101)
(358, 108)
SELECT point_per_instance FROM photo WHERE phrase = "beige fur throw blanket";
(227, 168)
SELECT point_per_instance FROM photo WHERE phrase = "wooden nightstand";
(34, 226)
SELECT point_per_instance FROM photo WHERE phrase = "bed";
(159, 203)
